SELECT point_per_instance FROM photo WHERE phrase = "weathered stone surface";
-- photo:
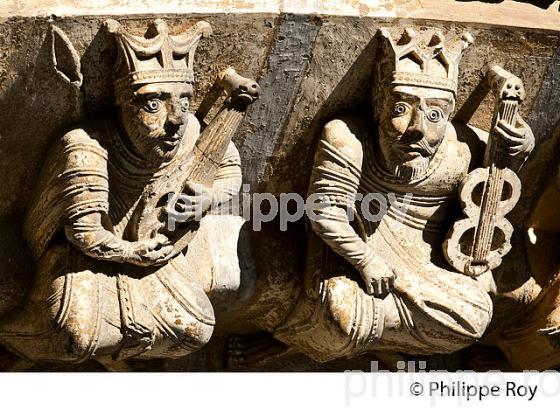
(112, 280)
(341, 66)
(28, 81)
(517, 13)
(312, 68)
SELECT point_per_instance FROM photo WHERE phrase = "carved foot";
(253, 351)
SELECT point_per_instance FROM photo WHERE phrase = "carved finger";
(166, 254)
(386, 286)
(140, 260)
(143, 249)
(378, 287)
(159, 256)
(369, 288)
(514, 132)
(180, 207)
(514, 151)
(391, 281)
(152, 245)
(189, 199)
(524, 148)
(161, 239)
(508, 138)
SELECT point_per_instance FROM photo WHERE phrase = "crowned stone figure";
(103, 288)
(376, 276)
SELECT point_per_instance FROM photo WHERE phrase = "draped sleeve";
(333, 187)
(73, 182)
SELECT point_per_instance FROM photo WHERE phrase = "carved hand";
(149, 252)
(379, 278)
(518, 142)
(197, 202)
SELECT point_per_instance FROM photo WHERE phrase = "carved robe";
(81, 307)
(432, 308)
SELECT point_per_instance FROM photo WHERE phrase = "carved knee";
(56, 337)
(79, 345)
(195, 333)
(483, 311)
(341, 298)
(457, 325)
(193, 325)
(474, 313)
(345, 320)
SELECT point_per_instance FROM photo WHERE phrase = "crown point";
(112, 26)
(383, 32)
(158, 26)
(205, 28)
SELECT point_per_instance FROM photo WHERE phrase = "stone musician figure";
(386, 284)
(102, 289)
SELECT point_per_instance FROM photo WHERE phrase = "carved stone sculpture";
(377, 276)
(112, 280)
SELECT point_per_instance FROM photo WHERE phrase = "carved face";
(412, 126)
(155, 119)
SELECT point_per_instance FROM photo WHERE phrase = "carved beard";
(414, 168)
(417, 167)
(151, 145)
(157, 152)
(161, 150)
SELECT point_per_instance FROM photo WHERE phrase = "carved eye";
(399, 109)
(152, 106)
(435, 115)
(184, 104)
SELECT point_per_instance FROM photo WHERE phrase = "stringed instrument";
(203, 163)
(477, 243)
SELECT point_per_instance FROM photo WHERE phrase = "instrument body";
(202, 164)
(477, 243)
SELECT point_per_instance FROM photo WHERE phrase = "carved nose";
(416, 125)
(174, 115)
(175, 120)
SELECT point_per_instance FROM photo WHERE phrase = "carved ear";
(64, 57)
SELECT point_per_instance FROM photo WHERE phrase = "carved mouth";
(420, 149)
(414, 150)
(170, 142)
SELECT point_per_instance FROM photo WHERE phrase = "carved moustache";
(415, 141)
(425, 149)
(167, 132)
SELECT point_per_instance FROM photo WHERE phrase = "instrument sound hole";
(477, 194)
(507, 192)
(466, 242)
(497, 240)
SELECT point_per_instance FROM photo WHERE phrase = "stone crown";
(411, 61)
(155, 57)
